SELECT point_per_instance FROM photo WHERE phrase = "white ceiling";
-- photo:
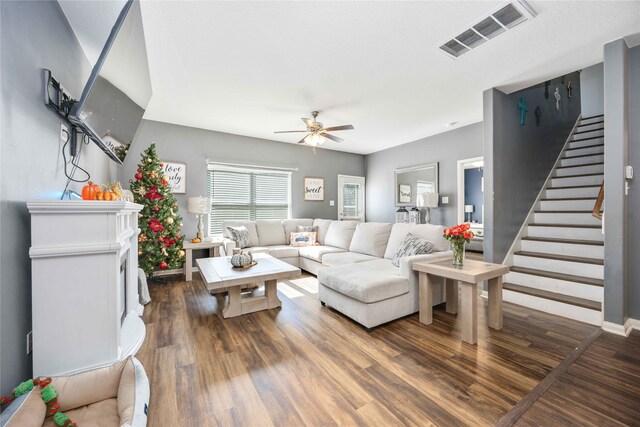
(251, 68)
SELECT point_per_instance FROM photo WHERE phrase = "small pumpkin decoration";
(89, 191)
(241, 259)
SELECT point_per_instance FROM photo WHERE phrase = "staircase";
(558, 259)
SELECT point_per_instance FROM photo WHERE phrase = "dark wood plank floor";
(601, 388)
(304, 364)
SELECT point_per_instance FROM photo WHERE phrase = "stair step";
(582, 160)
(568, 205)
(558, 276)
(585, 169)
(588, 191)
(533, 224)
(584, 151)
(593, 261)
(582, 119)
(579, 136)
(581, 314)
(578, 266)
(553, 296)
(564, 287)
(543, 230)
(586, 142)
(565, 217)
(601, 128)
(598, 123)
(578, 179)
(556, 246)
(571, 241)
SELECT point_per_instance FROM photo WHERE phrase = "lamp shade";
(198, 205)
(429, 200)
(468, 208)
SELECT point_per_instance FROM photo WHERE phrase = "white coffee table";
(218, 273)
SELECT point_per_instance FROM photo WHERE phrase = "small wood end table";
(214, 251)
(468, 276)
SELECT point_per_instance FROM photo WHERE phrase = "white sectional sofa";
(353, 262)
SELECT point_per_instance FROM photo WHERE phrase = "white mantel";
(81, 254)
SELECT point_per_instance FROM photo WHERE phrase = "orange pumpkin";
(89, 191)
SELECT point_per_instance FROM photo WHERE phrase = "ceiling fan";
(316, 133)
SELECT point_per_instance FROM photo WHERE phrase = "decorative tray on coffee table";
(246, 267)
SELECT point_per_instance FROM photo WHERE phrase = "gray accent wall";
(445, 148)
(518, 159)
(616, 203)
(194, 146)
(634, 191)
(592, 90)
(35, 35)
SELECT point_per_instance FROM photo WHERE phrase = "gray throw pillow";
(240, 235)
(412, 245)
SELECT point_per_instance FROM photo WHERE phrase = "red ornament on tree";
(156, 209)
(163, 265)
(139, 170)
(160, 239)
(138, 176)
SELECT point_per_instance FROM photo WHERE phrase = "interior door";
(351, 190)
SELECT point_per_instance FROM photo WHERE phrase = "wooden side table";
(468, 276)
(214, 251)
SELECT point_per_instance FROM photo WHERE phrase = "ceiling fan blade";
(302, 140)
(308, 122)
(343, 127)
(290, 131)
(334, 138)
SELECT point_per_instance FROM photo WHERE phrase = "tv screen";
(116, 96)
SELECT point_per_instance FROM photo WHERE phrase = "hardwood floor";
(601, 388)
(304, 364)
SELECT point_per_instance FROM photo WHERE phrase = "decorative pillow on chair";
(412, 245)
(303, 238)
(240, 235)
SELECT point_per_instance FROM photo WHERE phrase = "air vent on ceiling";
(505, 18)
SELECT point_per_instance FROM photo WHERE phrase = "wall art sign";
(313, 189)
(177, 173)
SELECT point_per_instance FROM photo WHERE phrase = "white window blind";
(247, 194)
(350, 200)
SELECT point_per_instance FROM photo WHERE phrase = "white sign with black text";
(313, 189)
(177, 173)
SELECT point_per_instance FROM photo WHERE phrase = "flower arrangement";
(458, 235)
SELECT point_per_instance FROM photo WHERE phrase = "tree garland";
(49, 396)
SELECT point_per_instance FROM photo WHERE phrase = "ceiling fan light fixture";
(314, 139)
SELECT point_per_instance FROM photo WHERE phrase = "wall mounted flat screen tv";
(119, 88)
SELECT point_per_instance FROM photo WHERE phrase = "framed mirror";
(413, 181)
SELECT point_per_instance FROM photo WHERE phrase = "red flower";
(155, 225)
(169, 242)
(153, 194)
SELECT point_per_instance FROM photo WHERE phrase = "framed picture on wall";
(313, 189)
(404, 193)
(177, 173)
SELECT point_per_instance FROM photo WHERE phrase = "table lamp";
(468, 209)
(428, 201)
(199, 206)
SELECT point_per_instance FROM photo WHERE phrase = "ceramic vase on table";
(458, 248)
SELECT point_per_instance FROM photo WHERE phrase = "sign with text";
(313, 189)
(177, 173)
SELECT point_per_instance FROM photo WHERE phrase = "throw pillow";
(240, 235)
(412, 245)
(311, 228)
(303, 238)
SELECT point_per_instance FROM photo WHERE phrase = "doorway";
(470, 204)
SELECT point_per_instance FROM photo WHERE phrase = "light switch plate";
(332, 203)
(445, 200)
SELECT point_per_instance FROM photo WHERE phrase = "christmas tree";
(159, 242)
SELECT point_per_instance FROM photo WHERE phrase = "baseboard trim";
(623, 330)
